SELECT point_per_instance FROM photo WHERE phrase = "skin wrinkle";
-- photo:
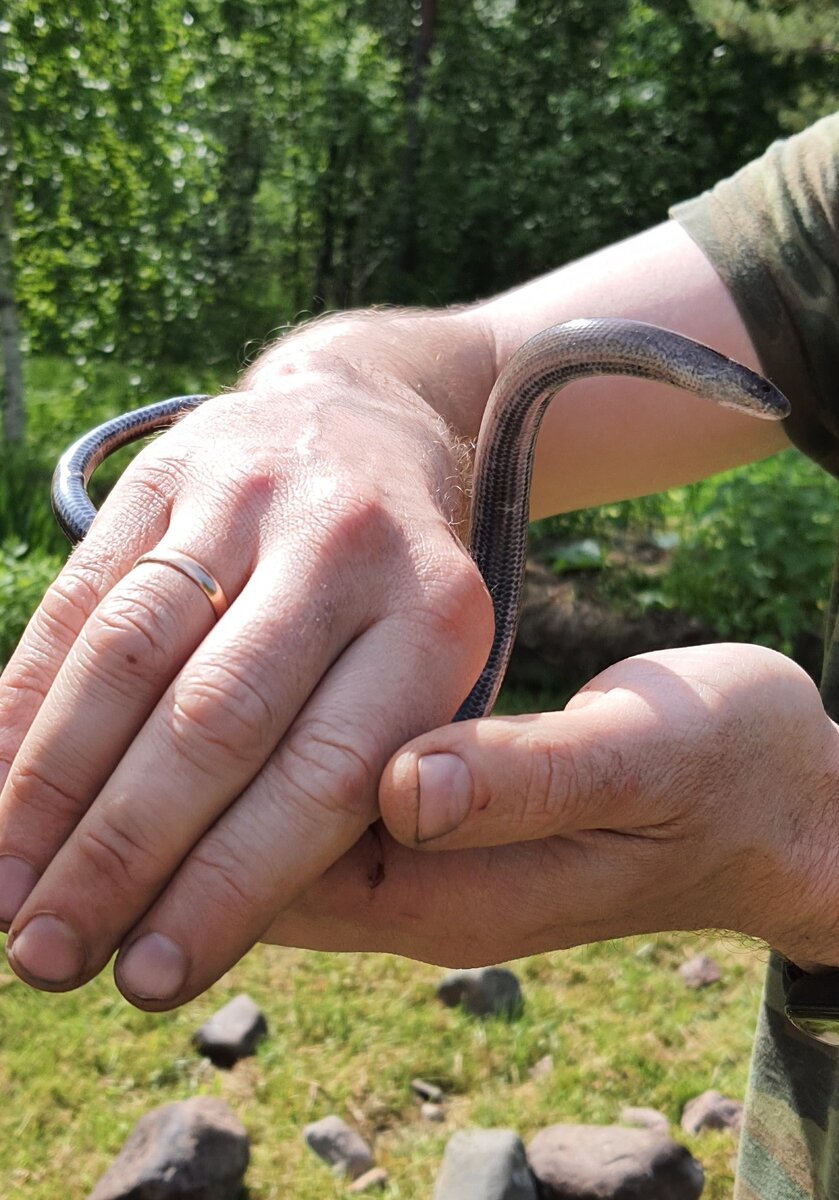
(29, 779)
(70, 766)
(123, 624)
(217, 742)
(110, 851)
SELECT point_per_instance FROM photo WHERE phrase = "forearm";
(603, 439)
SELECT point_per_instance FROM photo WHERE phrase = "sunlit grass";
(347, 1034)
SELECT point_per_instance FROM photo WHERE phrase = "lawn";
(348, 1033)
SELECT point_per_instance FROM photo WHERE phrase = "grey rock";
(700, 971)
(610, 1162)
(483, 991)
(369, 1181)
(427, 1091)
(645, 1118)
(337, 1144)
(195, 1149)
(711, 1110)
(484, 1164)
(432, 1112)
(231, 1033)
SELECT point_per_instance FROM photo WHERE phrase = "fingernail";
(17, 879)
(153, 968)
(445, 794)
(47, 950)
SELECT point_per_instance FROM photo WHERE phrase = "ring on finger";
(193, 570)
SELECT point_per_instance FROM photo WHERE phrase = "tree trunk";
(10, 347)
(325, 266)
(423, 42)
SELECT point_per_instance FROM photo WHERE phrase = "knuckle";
(562, 779)
(326, 771)
(550, 781)
(154, 479)
(222, 712)
(230, 872)
(356, 524)
(42, 797)
(129, 635)
(24, 689)
(456, 604)
(68, 604)
(117, 851)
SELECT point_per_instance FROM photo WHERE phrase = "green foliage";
(784, 27)
(803, 34)
(748, 552)
(111, 182)
(23, 580)
(608, 113)
(755, 551)
(190, 177)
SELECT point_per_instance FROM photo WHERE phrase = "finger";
(313, 799)
(203, 743)
(508, 779)
(132, 520)
(116, 539)
(125, 655)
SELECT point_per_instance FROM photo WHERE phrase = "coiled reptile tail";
(504, 457)
(70, 502)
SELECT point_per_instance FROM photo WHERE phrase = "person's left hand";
(684, 789)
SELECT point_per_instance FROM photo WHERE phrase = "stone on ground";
(484, 1164)
(483, 991)
(700, 971)
(424, 1090)
(644, 1118)
(369, 1181)
(432, 1112)
(600, 1162)
(192, 1148)
(231, 1033)
(341, 1147)
(711, 1111)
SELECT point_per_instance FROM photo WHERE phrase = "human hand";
(683, 789)
(171, 779)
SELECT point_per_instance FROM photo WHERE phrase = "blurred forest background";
(179, 181)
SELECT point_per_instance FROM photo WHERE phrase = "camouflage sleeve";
(771, 233)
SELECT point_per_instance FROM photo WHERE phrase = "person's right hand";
(171, 783)
(680, 789)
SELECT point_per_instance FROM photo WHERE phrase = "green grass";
(347, 1034)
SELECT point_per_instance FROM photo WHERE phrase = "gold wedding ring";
(193, 570)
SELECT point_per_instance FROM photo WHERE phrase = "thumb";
(513, 779)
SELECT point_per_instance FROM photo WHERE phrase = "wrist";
(445, 359)
(807, 934)
(390, 426)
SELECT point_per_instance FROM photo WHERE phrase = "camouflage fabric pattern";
(772, 234)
